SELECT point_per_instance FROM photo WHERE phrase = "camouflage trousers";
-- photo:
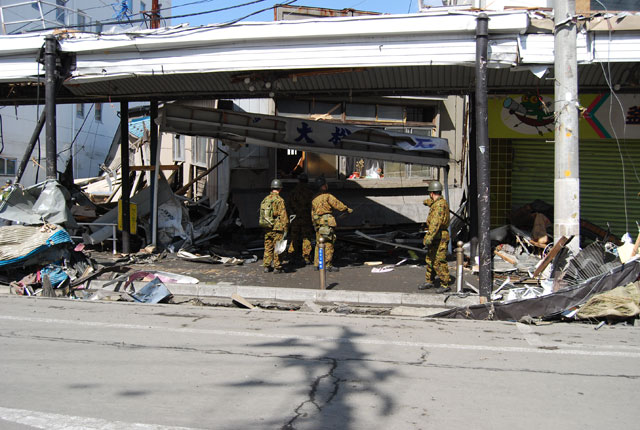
(436, 260)
(329, 240)
(270, 239)
(300, 235)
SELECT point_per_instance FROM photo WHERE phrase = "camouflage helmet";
(435, 187)
(276, 184)
(321, 181)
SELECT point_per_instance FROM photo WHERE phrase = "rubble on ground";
(49, 253)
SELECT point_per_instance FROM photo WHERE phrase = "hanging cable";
(614, 95)
(77, 132)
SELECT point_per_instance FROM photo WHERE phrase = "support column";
(32, 142)
(473, 183)
(124, 169)
(482, 154)
(566, 205)
(51, 78)
(153, 146)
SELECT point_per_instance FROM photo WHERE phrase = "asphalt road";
(92, 365)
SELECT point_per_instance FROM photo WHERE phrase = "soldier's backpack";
(265, 219)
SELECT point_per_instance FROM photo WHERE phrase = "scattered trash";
(153, 292)
(552, 305)
(383, 269)
(185, 255)
(241, 301)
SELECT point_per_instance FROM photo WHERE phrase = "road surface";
(95, 365)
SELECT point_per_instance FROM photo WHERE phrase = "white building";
(85, 130)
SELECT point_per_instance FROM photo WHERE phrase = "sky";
(184, 7)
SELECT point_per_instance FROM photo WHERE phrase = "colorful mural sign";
(603, 116)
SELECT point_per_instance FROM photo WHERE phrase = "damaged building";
(377, 105)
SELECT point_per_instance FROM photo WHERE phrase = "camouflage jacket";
(322, 207)
(279, 212)
(300, 204)
(437, 220)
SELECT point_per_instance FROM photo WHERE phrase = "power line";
(131, 21)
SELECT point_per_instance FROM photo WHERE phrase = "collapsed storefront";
(356, 56)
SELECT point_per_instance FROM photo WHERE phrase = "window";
(178, 147)
(421, 114)
(326, 110)
(7, 166)
(390, 113)
(199, 151)
(98, 27)
(80, 110)
(98, 112)
(61, 11)
(294, 108)
(361, 112)
(82, 20)
(143, 6)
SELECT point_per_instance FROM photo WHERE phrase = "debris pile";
(537, 279)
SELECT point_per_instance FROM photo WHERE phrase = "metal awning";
(414, 54)
(305, 135)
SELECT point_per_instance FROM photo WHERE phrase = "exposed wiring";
(77, 132)
(136, 20)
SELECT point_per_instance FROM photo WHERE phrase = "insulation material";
(621, 302)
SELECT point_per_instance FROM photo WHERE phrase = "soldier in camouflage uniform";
(324, 222)
(436, 239)
(301, 232)
(280, 225)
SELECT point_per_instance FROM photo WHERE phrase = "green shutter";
(601, 180)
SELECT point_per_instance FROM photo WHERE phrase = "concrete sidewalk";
(300, 295)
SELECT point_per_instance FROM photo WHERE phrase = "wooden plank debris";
(550, 256)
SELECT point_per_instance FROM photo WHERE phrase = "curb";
(303, 295)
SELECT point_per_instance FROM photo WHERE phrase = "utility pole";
(566, 216)
(124, 170)
(51, 79)
(482, 157)
(155, 14)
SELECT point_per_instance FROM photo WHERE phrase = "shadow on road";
(337, 374)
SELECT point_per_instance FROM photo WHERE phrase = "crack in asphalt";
(420, 362)
(313, 391)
